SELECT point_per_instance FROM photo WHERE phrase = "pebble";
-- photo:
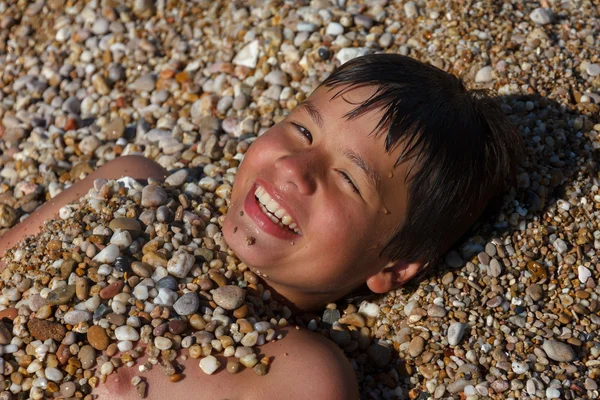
(229, 297)
(126, 224)
(145, 83)
(178, 178)
(43, 330)
(209, 365)
(87, 356)
(187, 304)
(97, 337)
(541, 16)
(153, 196)
(455, 333)
(180, 264)
(484, 75)
(559, 351)
(127, 333)
(107, 255)
(62, 295)
(416, 346)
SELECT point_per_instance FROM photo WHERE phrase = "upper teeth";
(272, 206)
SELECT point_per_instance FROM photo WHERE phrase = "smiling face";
(316, 199)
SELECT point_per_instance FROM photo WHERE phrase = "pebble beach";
(512, 311)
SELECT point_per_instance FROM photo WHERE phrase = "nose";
(297, 172)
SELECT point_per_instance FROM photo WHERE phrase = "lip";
(253, 210)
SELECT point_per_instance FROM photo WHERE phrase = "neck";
(301, 302)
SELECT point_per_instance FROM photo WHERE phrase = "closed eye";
(304, 132)
(347, 178)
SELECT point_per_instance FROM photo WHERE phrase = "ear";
(394, 275)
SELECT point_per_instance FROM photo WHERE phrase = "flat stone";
(559, 351)
(97, 337)
(153, 196)
(187, 304)
(168, 282)
(436, 311)
(44, 330)
(229, 297)
(61, 295)
(248, 55)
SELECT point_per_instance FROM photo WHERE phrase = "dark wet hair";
(462, 147)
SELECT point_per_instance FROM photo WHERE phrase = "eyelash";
(308, 136)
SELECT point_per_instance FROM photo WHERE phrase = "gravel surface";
(512, 312)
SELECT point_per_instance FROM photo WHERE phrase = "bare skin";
(305, 365)
(137, 167)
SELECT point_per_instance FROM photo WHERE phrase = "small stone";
(260, 369)
(552, 393)
(97, 337)
(248, 56)
(593, 69)
(334, 29)
(410, 9)
(484, 75)
(121, 263)
(560, 246)
(146, 83)
(112, 290)
(535, 291)
(187, 304)
(229, 297)
(436, 311)
(495, 268)
(108, 255)
(330, 316)
(141, 389)
(233, 367)
(559, 351)
(75, 317)
(114, 129)
(209, 364)
(67, 389)
(180, 264)
(126, 332)
(348, 53)
(162, 343)
(455, 333)
(44, 330)
(53, 374)
(153, 196)
(5, 334)
(141, 269)
(126, 224)
(61, 295)
(8, 216)
(177, 178)
(583, 274)
(541, 16)
(168, 282)
(379, 354)
(87, 356)
(416, 346)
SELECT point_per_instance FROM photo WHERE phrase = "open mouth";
(274, 211)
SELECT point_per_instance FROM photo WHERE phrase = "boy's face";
(300, 169)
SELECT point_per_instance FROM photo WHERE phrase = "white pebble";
(125, 345)
(180, 264)
(162, 343)
(583, 274)
(108, 255)
(107, 368)
(126, 333)
(209, 365)
(122, 239)
(53, 374)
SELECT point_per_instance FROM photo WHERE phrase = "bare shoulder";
(308, 366)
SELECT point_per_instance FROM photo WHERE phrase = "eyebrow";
(313, 112)
(372, 176)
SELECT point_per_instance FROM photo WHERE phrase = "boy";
(370, 179)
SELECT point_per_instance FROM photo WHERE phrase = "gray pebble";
(187, 304)
(559, 351)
